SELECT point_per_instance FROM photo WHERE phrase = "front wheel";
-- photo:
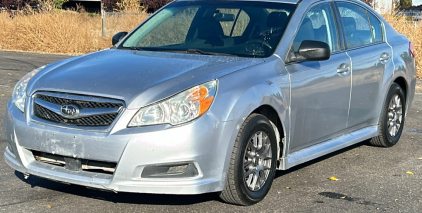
(392, 118)
(253, 162)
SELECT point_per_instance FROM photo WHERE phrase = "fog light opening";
(182, 170)
(178, 169)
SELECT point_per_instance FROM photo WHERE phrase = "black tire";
(385, 139)
(237, 189)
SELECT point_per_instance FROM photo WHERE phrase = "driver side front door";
(320, 90)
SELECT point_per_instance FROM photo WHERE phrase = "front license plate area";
(73, 164)
(63, 147)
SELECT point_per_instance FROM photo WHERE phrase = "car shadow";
(152, 199)
(121, 197)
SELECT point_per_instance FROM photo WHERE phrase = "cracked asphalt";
(371, 179)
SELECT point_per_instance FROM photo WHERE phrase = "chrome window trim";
(365, 45)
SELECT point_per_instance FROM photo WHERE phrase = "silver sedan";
(214, 96)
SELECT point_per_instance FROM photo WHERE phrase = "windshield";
(239, 28)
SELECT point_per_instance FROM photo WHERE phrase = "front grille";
(83, 104)
(96, 120)
(49, 109)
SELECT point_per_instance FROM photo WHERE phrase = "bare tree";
(109, 4)
(16, 4)
(153, 5)
(371, 3)
(11, 4)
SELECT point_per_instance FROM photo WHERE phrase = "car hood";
(137, 77)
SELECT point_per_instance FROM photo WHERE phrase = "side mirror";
(312, 51)
(116, 38)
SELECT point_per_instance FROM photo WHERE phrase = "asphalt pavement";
(370, 179)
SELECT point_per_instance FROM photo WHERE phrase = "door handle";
(343, 69)
(384, 57)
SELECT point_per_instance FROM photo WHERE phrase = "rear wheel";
(253, 162)
(392, 118)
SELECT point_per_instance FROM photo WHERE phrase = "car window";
(174, 29)
(375, 28)
(318, 25)
(355, 24)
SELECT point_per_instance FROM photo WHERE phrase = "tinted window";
(356, 25)
(318, 25)
(375, 28)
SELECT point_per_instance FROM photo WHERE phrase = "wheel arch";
(401, 81)
(271, 114)
(403, 84)
(266, 91)
(265, 99)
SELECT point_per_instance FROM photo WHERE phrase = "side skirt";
(327, 147)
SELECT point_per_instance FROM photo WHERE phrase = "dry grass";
(413, 32)
(66, 32)
(71, 32)
(117, 23)
(54, 32)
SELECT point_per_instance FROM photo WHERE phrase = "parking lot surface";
(370, 179)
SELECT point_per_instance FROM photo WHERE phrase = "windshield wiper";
(190, 51)
(196, 51)
(137, 48)
(155, 49)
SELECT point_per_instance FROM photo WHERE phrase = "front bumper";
(200, 143)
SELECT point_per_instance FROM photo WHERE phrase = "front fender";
(240, 93)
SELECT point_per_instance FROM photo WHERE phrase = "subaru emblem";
(69, 111)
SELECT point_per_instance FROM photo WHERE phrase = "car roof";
(279, 1)
(305, 2)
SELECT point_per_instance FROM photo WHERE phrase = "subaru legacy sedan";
(214, 96)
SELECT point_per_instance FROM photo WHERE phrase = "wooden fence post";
(102, 19)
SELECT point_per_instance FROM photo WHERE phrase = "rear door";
(320, 90)
(370, 56)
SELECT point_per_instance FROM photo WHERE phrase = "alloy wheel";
(395, 115)
(257, 161)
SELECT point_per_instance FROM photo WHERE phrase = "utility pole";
(102, 19)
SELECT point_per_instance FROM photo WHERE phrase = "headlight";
(178, 109)
(19, 93)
